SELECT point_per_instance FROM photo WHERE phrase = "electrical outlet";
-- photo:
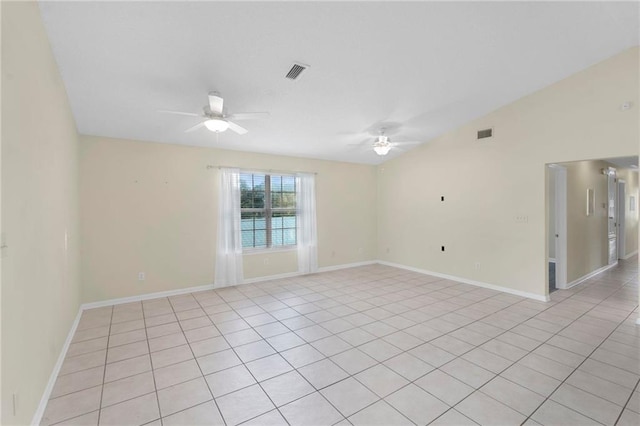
(360, 250)
(141, 276)
(333, 253)
(477, 265)
(522, 219)
(266, 261)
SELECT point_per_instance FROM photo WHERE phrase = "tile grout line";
(153, 375)
(585, 358)
(627, 403)
(104, 371)
(528, 353)
(199, 368)
(381, 337)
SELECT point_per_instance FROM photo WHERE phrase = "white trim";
(542, 298)
(630, 255)
(37, 417)
(270, 277)
(347, 265)
(145, 296)
(297, 274)
(638, 321)
(552, 259)
(561, 224)
(589, 275)
(251, 251)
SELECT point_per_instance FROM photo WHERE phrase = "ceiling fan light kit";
(216, 125)
(382, 145)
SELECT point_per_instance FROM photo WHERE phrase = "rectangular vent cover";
(486, 133)
(295, 71)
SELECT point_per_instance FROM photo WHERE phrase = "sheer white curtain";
(307, 233)
(229, 244)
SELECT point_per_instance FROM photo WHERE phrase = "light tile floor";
(363, 346)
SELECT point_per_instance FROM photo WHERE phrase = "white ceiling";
(422, 68)
(625, 162)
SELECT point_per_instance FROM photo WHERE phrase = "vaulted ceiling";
(419, 69)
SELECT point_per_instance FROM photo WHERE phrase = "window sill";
(268, 250)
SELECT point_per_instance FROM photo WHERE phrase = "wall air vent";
(486, 133)
(296, 70)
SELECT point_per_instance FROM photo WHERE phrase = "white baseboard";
(271, 277)
(145, 296)
(587, 276)
(542, 298)
(37, 417)
(630, 255)
(297, 274)
(347, 265)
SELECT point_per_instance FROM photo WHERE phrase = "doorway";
(620, 219)
(612, 214)
(557, 201)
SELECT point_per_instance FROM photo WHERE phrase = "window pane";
(276, 237)
(261, 238)
(261, 222)
(246, 186)
(276, 221)
(258, 200)
(289, 238)
(246, 181)
(246, 224)
(276, 183)
(288, 200)
(289, 222)
(288, 183)
(247, 238)
(258, 183)
(276, 200)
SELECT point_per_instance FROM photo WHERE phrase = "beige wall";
(149, 207)
(587, 236)
(487, 184)
(40, 288)
(631, 216)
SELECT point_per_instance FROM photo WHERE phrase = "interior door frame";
(561, 224)
(620, 218)
(612, 215)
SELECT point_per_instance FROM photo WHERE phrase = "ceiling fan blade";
(249, 116)
(196, 127)
(215, 102)
(190, 114)
(238, 129)
(406, 143)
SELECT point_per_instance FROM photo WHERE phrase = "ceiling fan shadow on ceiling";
(382, 144)
(215, 118)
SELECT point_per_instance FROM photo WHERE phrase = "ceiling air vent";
(296, 70)
(486, 133)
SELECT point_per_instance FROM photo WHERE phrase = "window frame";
(268, 211)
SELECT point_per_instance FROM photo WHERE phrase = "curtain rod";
(287, 172)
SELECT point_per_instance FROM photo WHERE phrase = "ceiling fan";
(215, 118)
(382, 144)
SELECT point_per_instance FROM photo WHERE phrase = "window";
(267, 210)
